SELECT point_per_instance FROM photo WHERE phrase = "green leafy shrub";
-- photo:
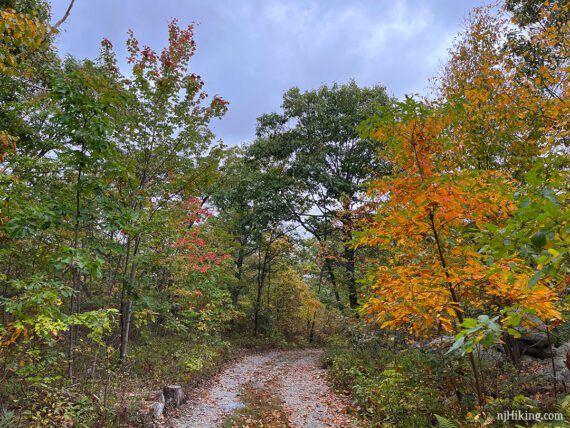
(177, 359)
(387, 388)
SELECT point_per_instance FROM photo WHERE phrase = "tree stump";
(173, 395)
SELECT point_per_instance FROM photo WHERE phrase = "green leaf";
(469, 323)
(535, 278)
(538, 239)
(525, 203)
(456, 345)
(444, 423)
(515, 333)
(483, 319)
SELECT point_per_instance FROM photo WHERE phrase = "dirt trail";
(297, 377)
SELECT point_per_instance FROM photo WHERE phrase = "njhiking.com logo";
(519, 415)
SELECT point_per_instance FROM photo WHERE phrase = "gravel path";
(300, 381)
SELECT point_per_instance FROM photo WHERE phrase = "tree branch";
(64, 18)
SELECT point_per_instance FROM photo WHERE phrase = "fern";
(445, 423)
(7, 419)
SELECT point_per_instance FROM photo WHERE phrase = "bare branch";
(62, 20)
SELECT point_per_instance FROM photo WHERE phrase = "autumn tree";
(427, 215)
(27, 58)
(474, 215)
(108, 181)
(508, 78)
(513, 100)
(165, 134)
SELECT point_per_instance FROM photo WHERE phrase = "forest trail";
(295, 379)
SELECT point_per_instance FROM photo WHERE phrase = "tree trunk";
(74, 299)
(474, 366)
(235, 291)
(511, 347)
(257, 307)
(126, 302)
(334, 284)
(349, 258)
(260, 284)
(349, 255)
(312, 327)
(126, 307)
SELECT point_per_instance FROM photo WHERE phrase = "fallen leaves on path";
(295, 379)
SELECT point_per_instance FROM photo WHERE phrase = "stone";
(493, 356)
(542, 353)
(527, 359)
(157, 409)
(562, 350)
(441, 342)
(152, 409)
(536, 338)
(562, 373)
(232, 406)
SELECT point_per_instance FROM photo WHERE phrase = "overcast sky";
(251, 51)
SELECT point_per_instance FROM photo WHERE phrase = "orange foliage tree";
(427, 214)
(511, 86)
(462, 240)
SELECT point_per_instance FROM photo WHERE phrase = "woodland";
(422, 243)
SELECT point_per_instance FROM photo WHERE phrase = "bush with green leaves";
(37, 323)
(388, 387)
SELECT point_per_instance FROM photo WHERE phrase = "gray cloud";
(251, 51)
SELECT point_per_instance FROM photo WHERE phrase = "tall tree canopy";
(313, 144)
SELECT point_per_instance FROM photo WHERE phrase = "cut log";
(174, 395)
(157, 396)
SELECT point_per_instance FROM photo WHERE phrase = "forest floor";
(271, 389)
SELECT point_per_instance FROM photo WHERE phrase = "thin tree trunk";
(76, 281)
(455, 299)
(260, 284)
(554, 374)
(332, 277)
(123, 304)
(312, 327)
(126, 302)
(349, 258)
(126, 308)
(268, 292)
(235, 291)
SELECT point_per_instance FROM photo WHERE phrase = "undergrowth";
(394, 382)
